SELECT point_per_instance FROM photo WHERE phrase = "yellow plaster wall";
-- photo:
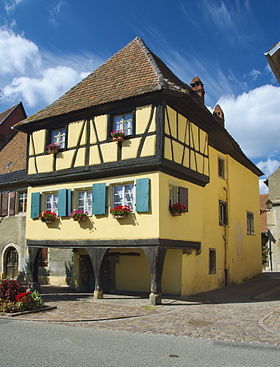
(74, 131)
(137, 225)
(132, 272)
(142, 119)
(130, 148)
(149, 147)
(172, 272)
(101, 127)
(64, 159)
(80, 159)
(94, 155)
(110, 151)
(39, 139)
(190, 134)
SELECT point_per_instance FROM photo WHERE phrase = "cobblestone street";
(246, 313)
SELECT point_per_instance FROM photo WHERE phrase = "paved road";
(28, 344)
(249, 312)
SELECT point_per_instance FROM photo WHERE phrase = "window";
(221, 167)
(250, 223)
(123, 123)
(85, 201)
(51, 202)
(178, 195)
(22, 201)
(123, 195)
(212, 261)
(58, 137)
(222, 213)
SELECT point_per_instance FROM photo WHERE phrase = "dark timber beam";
(96, 256)
(155, 256)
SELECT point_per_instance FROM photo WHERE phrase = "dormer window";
(123, 123)
(58, 137)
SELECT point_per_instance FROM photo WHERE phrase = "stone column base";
(98, 294)
(155, 299)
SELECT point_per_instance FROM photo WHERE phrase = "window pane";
(118, 195)
(117, 123)
(128, 195)
(58, 137)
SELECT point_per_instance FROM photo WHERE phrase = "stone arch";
(10, 261)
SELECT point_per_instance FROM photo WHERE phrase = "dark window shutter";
(35, 204)
(183, 197)
(69, 202)
(62, 203)
(143, 195)
(4, 206)
(12, 203)
(99, 199)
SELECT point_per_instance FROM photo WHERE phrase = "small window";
(123, 123)
(222, 213)
(178, 195)
(51, 202)
(250, 223)
(58, 137)
(221, 167)
(22, 202)
(212, 261)
(123, 195)
(85, 201)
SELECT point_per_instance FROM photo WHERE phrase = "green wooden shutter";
(69, 202)
(143, 195)
(62, 203)
(35, 204)
(99, 199)
(183, 197)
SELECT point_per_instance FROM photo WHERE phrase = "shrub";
(9, 289)
(29, 301)
(9, 307)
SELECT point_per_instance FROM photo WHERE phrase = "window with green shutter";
(143, 195)
(35, 205)
(99, 199)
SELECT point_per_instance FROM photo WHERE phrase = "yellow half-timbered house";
(189, 192)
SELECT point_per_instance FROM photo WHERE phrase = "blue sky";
(47, 46)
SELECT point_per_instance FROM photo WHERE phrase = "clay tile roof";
(132, 71)
(5, 114)
(263, 218)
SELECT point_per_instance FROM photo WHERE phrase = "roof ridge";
(152, 61)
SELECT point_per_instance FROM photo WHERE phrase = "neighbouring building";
(13, 194)
(273, 58)
(172, 152)
(273, 217)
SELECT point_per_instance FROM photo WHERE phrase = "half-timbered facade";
(172, 151)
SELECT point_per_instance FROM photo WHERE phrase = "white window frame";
(86, 196)
(53, 201)
(250, 223)
(173, 194)
(24, 200)
(123, 199)
(125, 125)
(58, 136)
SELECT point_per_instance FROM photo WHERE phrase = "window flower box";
(52, 148)
(177, 209)
(121, 211)
(48, 216)
(79, 215)
(117, 135)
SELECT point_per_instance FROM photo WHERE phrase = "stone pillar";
(96, 256)
(30, 270)
(155, 256)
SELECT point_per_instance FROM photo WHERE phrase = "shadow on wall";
(68, 272)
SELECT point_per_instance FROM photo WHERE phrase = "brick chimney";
(197, 87)
(219, 115)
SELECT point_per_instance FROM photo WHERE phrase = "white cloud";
(52, 84)
(253, 120)
(55, 11)
(253, 74)
(263, 187)
(17, 53)
(269, 166)
(11, 5)
(36, 77)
